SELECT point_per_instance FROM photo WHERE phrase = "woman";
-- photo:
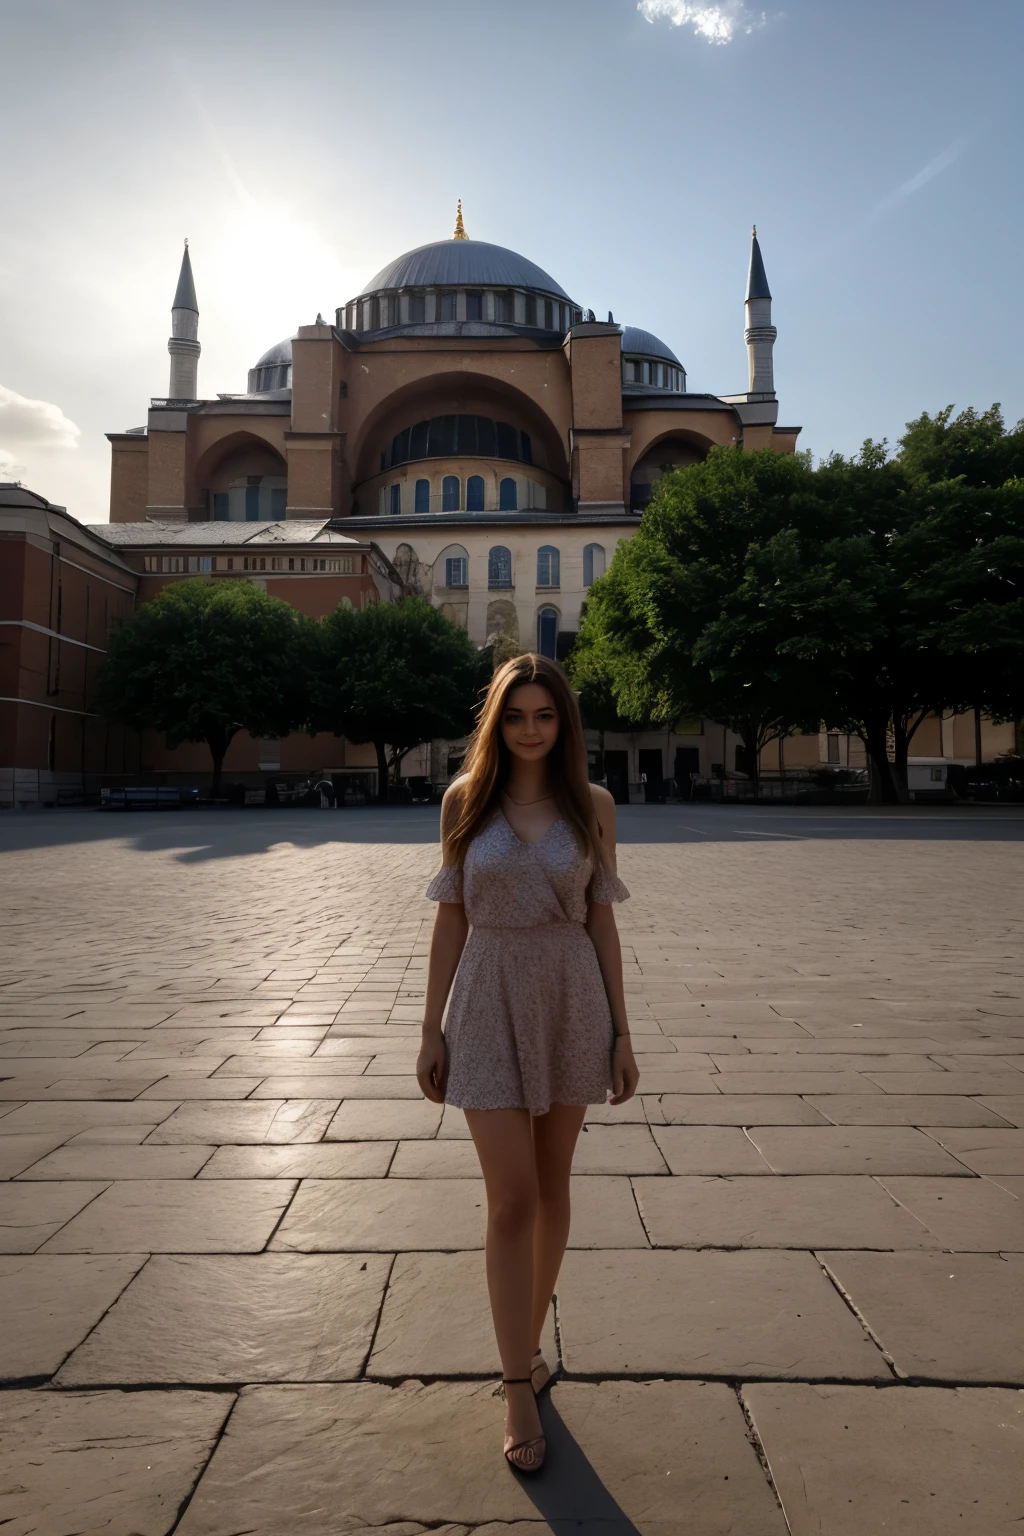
(536, 1028)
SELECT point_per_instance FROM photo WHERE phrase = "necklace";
(527, 802)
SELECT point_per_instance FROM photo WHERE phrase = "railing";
(409, 504)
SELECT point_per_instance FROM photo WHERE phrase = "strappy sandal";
(541, 1373)
(524, 1455)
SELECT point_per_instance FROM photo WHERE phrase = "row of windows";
(343, 565)
(451, 496)
(499, 566)
(254, 503)
(503, 306)
(444, 436)
(656, 375)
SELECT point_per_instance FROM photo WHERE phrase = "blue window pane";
(547, 566)
(507, 501)
(456, 573)
(475, 493)
(422, 495)
(450, 496)
(396, 500)
(526, 448)
(252, 503)
(508, 441)
(499, 567)
(547, 632)
(220, 506)
(474, 306)
(278, 503)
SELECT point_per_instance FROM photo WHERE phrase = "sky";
(625, 149)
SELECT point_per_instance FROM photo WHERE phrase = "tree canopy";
(769, 595)
(206, 659)
(396, 675)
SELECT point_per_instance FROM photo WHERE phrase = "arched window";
(499, 566)
(450, 494)
(454, 564)
(547, 632)
(547, 568)
(475, 493)
(593, 563)
(507, 499)
(422, 495)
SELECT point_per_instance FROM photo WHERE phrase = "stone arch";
(456, 393)
(237, 469)
(667, 451)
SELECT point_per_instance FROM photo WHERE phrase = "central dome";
(454, 263)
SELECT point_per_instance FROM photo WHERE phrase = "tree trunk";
(218, 743)
(977, 736)
(751, 738)
(883, 786)
(380, 747)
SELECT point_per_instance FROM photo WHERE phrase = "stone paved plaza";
(242, 1288)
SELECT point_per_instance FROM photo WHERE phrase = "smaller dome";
(282, 353)
(640, 343)
(273, 372)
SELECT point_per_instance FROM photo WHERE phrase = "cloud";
(26, 423)
(717, 23)
(10, 469)
(924, 176)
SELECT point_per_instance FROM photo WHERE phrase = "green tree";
(730, 601)
(396, 675)
(204, 660)
(975, 445)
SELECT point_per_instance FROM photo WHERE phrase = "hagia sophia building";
(463, 429)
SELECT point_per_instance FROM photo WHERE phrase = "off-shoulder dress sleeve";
(446, 884)
(605, 886)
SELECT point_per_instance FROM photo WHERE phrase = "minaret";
(184, 340)
(760, 334)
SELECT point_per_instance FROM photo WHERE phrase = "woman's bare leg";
(554, 1141)
(505, 1147)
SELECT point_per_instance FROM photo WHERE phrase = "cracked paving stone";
(333, 1460)
(943, 1317)
(237, 1318)
(743, 1315)
(175, 1216)
(32, 1213)
(927, 1462)
(49, 1302)
(117, 1462)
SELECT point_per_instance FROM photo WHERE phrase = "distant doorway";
(616, 768)
(687, 762)
(652, 776)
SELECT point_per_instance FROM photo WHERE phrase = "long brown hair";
(486, 766)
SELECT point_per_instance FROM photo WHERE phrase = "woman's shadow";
(567, 1492)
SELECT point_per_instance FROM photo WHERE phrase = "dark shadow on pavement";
(195, 835)
(568, 1492)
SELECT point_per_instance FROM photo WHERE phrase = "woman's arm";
(605, 938)
(451, 928)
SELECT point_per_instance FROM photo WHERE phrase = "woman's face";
(529, 722)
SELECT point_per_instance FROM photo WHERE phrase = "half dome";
(273, 372)
(456, 263)
(640, 343)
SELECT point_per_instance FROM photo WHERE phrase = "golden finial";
(460, 228)
(753, 232)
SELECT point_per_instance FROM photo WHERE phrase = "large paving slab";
(852, 1149)
(741, 1109)
(964, 1214)
(942, 1317)
(210, 1319)
(905, 1109)
(422, 1334)
(49, 1302)
(983, 1151)
(115, 1160)
(709, 1149)
(174, 1216)
(302, 1160)
(776, 1213)
(329, 1460)
(31, 1213)
(120, 1463)
(741, 1315)
(926, 1462)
